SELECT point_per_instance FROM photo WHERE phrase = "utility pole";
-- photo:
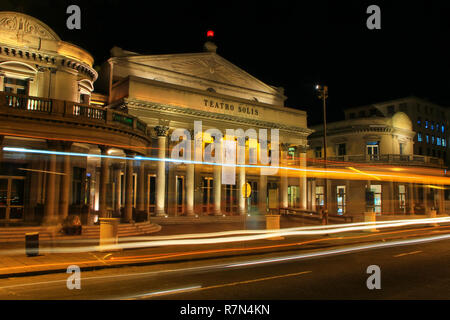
(323, 94)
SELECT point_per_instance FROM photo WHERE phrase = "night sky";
(289, 44)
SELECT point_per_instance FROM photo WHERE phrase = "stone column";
(161, 131)
(441, 201)
(426, 191)
(65, 183)
(141, 188)
(284, 176)
(128, 212)
(190, 169)
(104, 178)
(302, 182)
(313, 194)
(262, 194)
(393, 207)
(1, 148)
(411, 197)
(217, 190)
(50, 196)
(117, 189)
(241, 180)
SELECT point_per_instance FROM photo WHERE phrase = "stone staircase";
(17, 234)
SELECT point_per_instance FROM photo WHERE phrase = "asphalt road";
(419, 271)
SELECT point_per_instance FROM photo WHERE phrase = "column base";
(190, 213)
(243, 212)
(160, 214)
(217, 213)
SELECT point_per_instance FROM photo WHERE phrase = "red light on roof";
(210, 34)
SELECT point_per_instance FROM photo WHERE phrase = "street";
(418, 271)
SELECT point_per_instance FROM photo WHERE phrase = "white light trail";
(253, 235)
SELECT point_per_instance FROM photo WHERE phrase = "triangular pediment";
(207, 66)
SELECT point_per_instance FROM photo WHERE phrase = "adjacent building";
(376, 145)
(67, 150)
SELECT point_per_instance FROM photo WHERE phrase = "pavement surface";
(415, 271)
(14, 262)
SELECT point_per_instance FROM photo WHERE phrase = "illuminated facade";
(170, 92)
(384, 146)
(67, 150)
(46, 103)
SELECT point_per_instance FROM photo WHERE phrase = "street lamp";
(322, 93)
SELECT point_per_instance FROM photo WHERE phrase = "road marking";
(165, 292)
(233, 283)
(407, 253)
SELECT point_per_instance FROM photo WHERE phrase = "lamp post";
(323, 94)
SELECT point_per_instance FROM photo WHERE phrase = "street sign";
(246, 190)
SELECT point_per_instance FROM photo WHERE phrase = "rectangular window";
(432, 139)
(432, 125)
(427, 139)
(318, 152)
(340, 199)
(426, 124)
(402, 197)
(442, 128)
(14, 85)
(403, 107)
(419, 121)
(376, 189)
(444, 143)
(372, 148)
(319, 195)
(401, 147)
(438, 141)
(419, 137)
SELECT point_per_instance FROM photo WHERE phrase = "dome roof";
(401, 120)
(20, 24)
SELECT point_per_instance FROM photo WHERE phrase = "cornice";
(144, 105)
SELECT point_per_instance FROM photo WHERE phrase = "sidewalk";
(18, 264)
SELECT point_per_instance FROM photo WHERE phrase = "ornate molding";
(134, 103)
(161, 131)
(24, 25)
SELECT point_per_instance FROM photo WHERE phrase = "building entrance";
(11, 198)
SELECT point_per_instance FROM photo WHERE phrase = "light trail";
(337, 174)
(341, 251)
(242, 238)
(347, 250)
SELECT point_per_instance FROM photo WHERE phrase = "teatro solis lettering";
(230, 107)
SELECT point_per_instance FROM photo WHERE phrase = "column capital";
(161, 131)
(103, 148)
(66, 145)
(302, 148)
(284, 146)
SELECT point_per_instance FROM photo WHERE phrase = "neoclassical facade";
(377, 152)
(52, 134)
(173, 91)
(67, 150)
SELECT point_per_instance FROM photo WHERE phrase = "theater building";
(382, 144)
(173, 91)
(67, 150)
